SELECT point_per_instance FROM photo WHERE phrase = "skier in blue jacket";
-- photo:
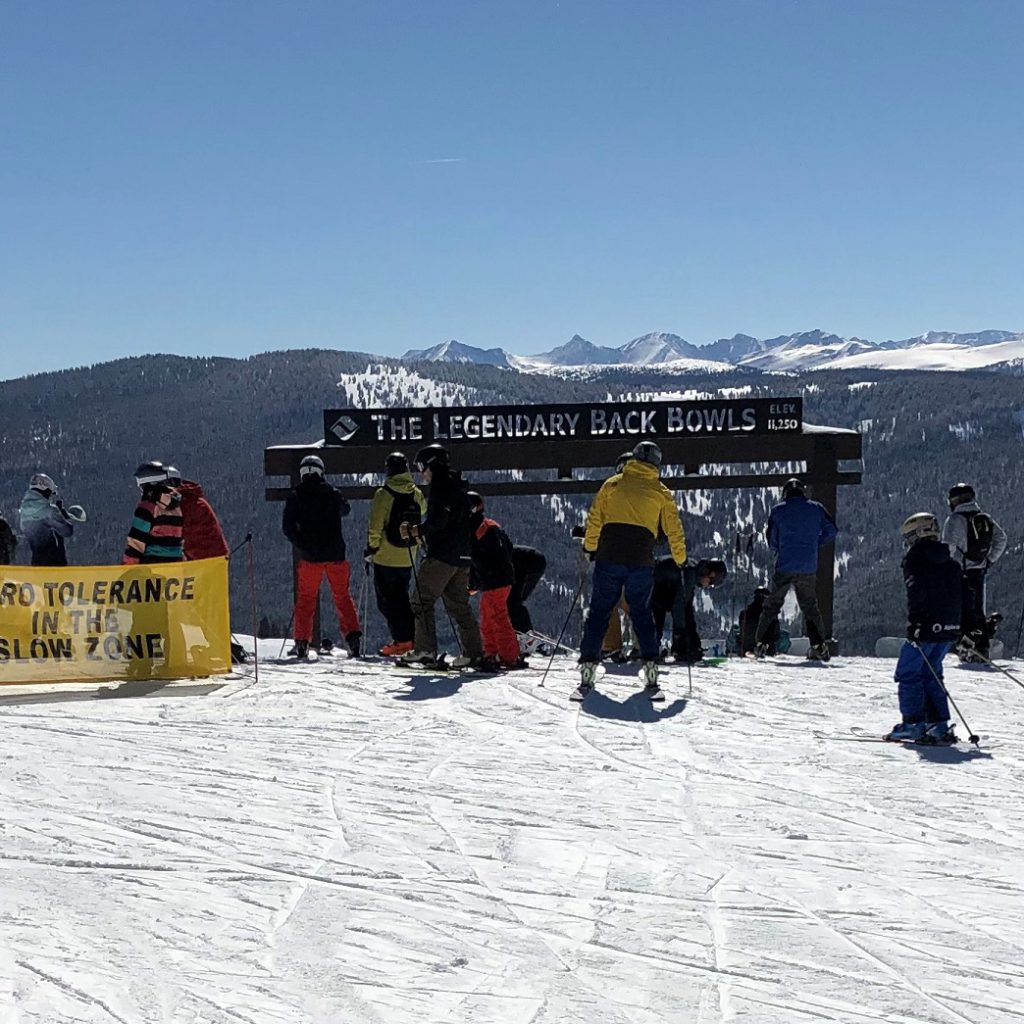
(796, 529)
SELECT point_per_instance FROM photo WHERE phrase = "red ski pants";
(307, 586)
(496, 627)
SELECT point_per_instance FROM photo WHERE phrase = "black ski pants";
(972, 615)
(391, 588)
(805, 584)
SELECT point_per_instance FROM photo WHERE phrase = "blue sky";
(227, 177)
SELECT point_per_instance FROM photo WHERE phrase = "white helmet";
(919, 526)
(77, 513)
(311, 464)
(42, 482)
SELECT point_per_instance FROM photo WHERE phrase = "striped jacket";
(156, 534)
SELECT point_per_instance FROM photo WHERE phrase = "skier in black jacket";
(674, 589)
(444, 572)
(312, 522)
(932, 578)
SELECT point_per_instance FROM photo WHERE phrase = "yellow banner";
(113, 622)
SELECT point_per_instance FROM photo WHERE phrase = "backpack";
(980, 528)
(404, 509)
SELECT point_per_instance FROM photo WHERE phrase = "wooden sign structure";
(553, 441)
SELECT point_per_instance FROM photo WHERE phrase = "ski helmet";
(431, 457)
(396, 463)
(311, 464)
(620, 462)
(476, 501)
(960, 493)
(714, 569)
(792, 487)
(173, 476)
(42, 482)
(918, 526)
(77, 513)
(649, 452)
(151, 474)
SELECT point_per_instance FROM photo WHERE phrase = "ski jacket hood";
(629, 513)
(201, 530)
(797, 527)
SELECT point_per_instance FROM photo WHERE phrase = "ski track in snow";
(351, 842)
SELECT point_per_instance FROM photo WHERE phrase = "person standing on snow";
(797, 528)
(155, 533)
(933, 581)
(312, 522)
(629, 512)
(976, 542)
(444, 572)
(45, 523)
(492, 574)
(202, 535)
(398, 501)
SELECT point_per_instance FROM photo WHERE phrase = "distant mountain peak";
(456, 352)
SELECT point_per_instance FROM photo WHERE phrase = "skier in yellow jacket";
(629, 513)
(398, 501)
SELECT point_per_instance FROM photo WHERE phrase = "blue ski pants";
(921, 697)
(610, 579)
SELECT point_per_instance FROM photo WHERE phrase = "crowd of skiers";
(172, 522)
(443, 546)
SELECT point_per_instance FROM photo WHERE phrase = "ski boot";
(414, 657)
(819, 652)
(395, 648)
(907, 732)
(355, 643)
(462, 661)
(588, 673)
(649, 672)
(326, 646)
(299, 650)
(941, 734)
(761, 651)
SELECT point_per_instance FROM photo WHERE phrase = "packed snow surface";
(353, 842)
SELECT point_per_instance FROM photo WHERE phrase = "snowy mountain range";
(805, 350)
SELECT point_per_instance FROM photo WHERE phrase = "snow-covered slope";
(350, 843)
(934, 355)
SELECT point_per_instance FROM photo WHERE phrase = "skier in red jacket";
(201, 529)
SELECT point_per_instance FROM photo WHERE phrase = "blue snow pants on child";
(922, 699)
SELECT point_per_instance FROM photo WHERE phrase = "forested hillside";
(212, 417)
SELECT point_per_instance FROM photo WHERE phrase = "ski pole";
(565, 626)
(247, 540)
(252, 598)
(689, 680)
(999, 668)
(280, 653)
(973, 737)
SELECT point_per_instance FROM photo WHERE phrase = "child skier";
(933, 613)
(492, 572)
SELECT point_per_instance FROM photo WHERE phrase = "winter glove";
(590, 555)
(914, 630)
(369, 552)
(578, 532)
